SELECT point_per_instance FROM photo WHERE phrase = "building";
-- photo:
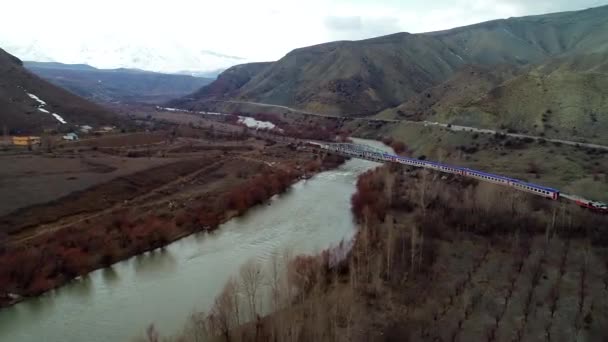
(86, 129)
(104, 130)
(26, 141)
(70, 136)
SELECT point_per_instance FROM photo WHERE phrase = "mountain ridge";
(163, 56)
(117, 85)
(362, 78)
(562, 98)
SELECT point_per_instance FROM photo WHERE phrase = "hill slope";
(559, 101)
(464, 87)
(364, 77)
(117, 85)
(563, 98)
(27, 103)
(228, 84)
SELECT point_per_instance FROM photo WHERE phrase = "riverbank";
(166, 285)
(51, 244)
(439, 259)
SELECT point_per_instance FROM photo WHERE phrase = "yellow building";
(26, 141)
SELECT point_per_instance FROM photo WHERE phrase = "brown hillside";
(227, 84)
(559, 102)
(466, 86)
(355, 78)
(20, 113)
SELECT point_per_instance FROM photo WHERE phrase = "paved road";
(285, 108)
(514, 135)
(455, 128)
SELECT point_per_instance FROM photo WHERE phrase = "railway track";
(372, 154)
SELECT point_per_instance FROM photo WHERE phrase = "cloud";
(258, 30)
(213, 53)
(343, 23)
(356, 27)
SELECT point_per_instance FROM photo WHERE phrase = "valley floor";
(91, 203)
(458, 262)
(573, 168)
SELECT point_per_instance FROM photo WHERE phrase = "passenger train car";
(488, 177)
(594, 206)
(381, 156)
(370, 153)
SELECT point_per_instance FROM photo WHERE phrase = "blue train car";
(488, 177)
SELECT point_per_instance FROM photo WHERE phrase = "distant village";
(31, 141)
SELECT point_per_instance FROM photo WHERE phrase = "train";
(372, 154)
(535, 189)
(598, 207)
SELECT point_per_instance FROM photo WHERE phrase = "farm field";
(135, 191)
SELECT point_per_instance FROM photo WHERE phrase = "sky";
(261, 30)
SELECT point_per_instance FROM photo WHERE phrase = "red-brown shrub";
(398, 147)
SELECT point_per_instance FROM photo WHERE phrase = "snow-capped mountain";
(109, 53)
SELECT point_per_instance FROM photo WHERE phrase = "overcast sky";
(256, 30)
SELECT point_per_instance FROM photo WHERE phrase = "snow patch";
(253, 123)
(457, 55)
(245, 120)
(174, 109)
(41, 108)
(42, 103)
(508, 32)
(59, 118)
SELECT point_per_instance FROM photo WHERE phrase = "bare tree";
(152, 334)
(231, 291)
(275, 281)
(416, 248)
(46, 142)
(287, 256)
(390, 241)
(251, 280)
(222, 316)
(197, 328)
(362, 249)
(414, 240)
(426, 189)
(389, 185)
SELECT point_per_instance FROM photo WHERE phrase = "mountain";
(29, 104)
(58, 66)
(561, 98)
(357, 78)
(117, 85)
(213, 74)
(158, 55)
(466, 86)
(228, 83)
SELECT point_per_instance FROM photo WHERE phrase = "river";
(165, 286)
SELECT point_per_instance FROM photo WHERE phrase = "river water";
(165, 286)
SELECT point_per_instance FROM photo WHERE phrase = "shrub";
(398, 147)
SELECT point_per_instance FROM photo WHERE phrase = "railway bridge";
(367, 152)
(373, 154)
